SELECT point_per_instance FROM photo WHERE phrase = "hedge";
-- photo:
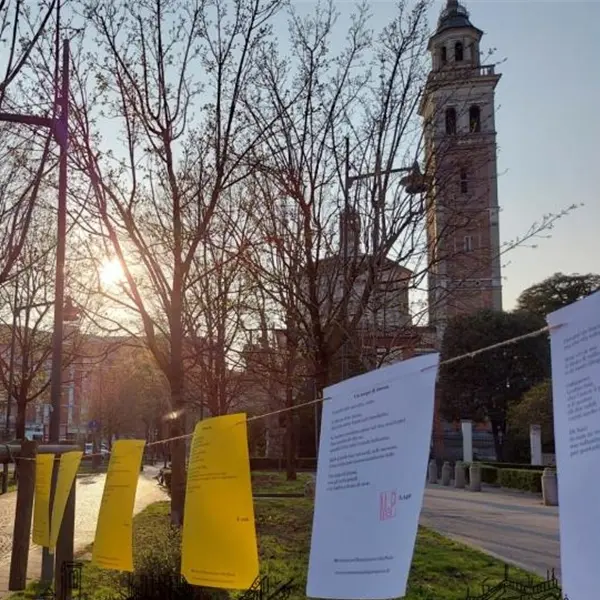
(521, 479)
(269, 464)
(261, 464)
(517, 466)
(489, 474)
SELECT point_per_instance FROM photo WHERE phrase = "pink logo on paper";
(387, 505)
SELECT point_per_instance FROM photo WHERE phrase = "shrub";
(157, 559)
(260, 463)
(517, 466)
(489, 475)
(521, 479)
(307, 464)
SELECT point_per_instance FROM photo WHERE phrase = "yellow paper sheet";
(67, 469)
(113, 543)
(219, 535)
(41, 507)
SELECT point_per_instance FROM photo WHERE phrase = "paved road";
(514, 527)
(89, 496)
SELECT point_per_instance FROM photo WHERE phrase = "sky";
(547, 132)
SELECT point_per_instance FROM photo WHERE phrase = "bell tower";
(460, 153)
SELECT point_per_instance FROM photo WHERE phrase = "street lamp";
(414, 183)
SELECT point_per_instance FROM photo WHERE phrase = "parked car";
(88, 449)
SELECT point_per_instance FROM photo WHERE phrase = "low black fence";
(160, 587)
(510, 588)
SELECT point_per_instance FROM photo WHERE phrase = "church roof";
(454, 16)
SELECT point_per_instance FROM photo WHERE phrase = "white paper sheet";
(373, 453)
(576, 396)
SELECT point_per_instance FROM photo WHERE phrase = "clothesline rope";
(448, 361)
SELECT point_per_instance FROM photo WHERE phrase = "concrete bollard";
(550, 487)
(475, 477)
(432, 478)
(446, 473)
(460, 477)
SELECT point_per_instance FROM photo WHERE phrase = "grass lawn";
(441, 570)
(275, 482)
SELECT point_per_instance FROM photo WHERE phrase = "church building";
(460, 154)
(458, 114)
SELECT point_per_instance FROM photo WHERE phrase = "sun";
(111, 272)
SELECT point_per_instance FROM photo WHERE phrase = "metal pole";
(11, 365)
(11, 379)
(315, 394)
(65, 547)
(347, 183)
(62, 136)
(59, 293)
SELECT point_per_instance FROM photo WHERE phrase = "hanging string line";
(448, 361)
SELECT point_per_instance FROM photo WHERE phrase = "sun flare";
(111, 272)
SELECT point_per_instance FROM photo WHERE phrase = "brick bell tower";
(460, 153)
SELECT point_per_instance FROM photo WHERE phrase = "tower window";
(464, 181)
(458, 52)
(469, 247)
(451, 120)
(444, 54)
(474, 119)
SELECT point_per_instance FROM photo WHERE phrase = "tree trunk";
(290, 447)
(20, 423)
(178, 475)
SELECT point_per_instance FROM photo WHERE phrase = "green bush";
(489, 475)
(307, 464)
(517, 466)
(259, 463)
(521, 479)
(157, 560)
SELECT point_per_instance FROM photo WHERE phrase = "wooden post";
(47, 573)
(23, 515)
(5, 478)
(64, 547)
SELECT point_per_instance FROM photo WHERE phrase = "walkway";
(512, 526)
(89, 496)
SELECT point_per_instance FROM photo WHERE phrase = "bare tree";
(21, 28)
(217, 308)
(342, 235)
(313, 256)
(128, 393)
(170, 77)
(26, 320)
(25, 153)
(24, 365)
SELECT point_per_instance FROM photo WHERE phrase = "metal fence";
(174, 587)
